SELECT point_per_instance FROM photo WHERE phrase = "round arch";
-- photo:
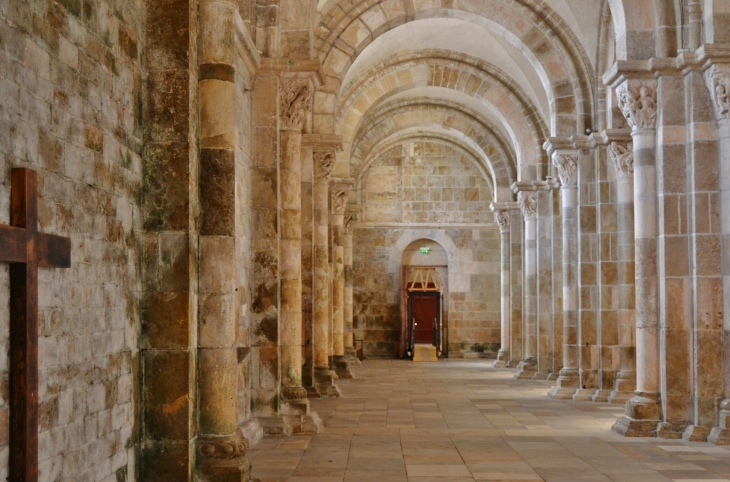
(531, 26)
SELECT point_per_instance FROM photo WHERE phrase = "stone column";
(350, 354)
(220, 452)
(705, 254)
(324, 160)
(567, 165)
(295, 101)
(637, 101)
(621, 156)
(340, 193)
(516, 224)
(501, 216)
(527, 201)
(717, 77)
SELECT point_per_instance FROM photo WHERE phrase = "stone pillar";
(621, 157)
(544, 283)
(324, 160)
(673, 244)
(307, 265)
(220, 452)
(717, 77)
(567, 164)
(295, 101)
(340, 193)
(516, 287)
(705, 252)
(350, 354)
(527, 201)
(637, 101)
(501, 216)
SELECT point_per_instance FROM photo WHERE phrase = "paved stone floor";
(458, 421)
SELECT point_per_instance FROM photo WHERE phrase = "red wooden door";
(424, 311)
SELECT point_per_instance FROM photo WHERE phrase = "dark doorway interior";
(424, 318)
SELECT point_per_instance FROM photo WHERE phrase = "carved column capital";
(295, 102)
(502, 219)
(339, 200)
(567, 165)
(718, 81)
(350, 220)
(324, 161)
(527, 201)
(637, 99)
(622, 158)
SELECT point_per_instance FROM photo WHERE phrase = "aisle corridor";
(458, 421)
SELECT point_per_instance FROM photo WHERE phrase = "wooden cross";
(26, 250)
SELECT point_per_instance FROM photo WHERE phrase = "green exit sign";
(425, 250)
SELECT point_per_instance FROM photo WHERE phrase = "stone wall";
(70, 84)
(439, 184)
(430, 183)
(471, 299)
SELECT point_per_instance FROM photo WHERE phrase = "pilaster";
(717, 77)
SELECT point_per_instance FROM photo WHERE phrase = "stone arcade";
(250, 187)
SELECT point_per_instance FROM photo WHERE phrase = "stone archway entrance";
(424, 275)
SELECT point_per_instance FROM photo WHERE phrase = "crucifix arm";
(53, 251)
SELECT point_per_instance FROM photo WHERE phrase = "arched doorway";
(424, 282)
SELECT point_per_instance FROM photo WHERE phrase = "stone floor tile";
(462, 421)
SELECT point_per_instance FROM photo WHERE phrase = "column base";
(601, 395)
(619, 398)
(623, 387)
(566, 385)
(502, 359)
(295, 413)
(553, 376)
(541, 376)
(251, 432)
(671, 430)
(642, 417)
(222, 459)
(351, 356)
(286, 425)
(696, 433)
(720, 435)
(526, 369)
(324, 383)
(341, 367)
(584, 394)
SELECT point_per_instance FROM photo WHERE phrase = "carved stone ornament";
(339, 200)
(293, 393)
(527, 201)
(622, 158)
(324, 161)
(295, 101)
(637, 101)
(718, 81)
(502, 218)
(567, 165)
(221, 448)
(350, 219)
